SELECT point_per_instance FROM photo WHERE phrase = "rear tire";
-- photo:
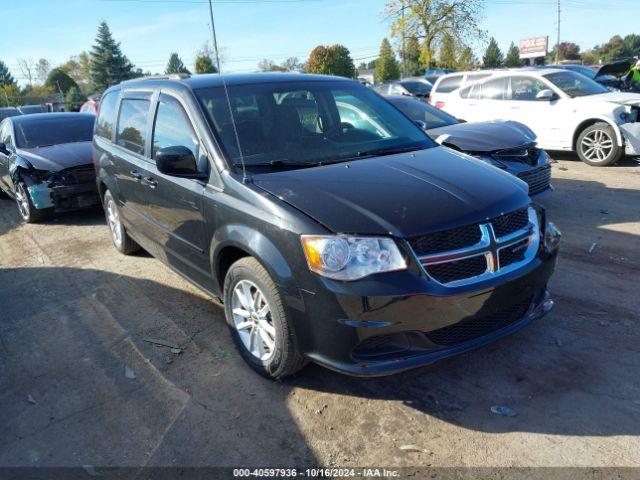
(597, 145)
(28, 212)
(258, 322)
(121, 239)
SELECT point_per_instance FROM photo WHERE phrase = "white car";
(566, 110)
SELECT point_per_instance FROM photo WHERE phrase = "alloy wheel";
(597, 145)
(22, 199)
(252, 320)
(113, 219)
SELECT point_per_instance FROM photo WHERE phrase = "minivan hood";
(484, 136)
(401, 195)
(58, 157)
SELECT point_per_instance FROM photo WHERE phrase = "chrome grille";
(446, 240)
(505, 243)
(538, 179)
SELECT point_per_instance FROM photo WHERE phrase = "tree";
(565, 51)
(175, 65)
(108, 65)
(513, 57)
(204, 60)
(333, 60)
(74, 99)
(492, 56)
(42, 68)
(617, 48)
(9, 95)
(430, 20)
(78, 68)
(60, 81)
(411, 57)
(5, 75)
(448, 52)
(266, 65)
(466, 59)
(293, 64)
(387, 67)
(27, 68)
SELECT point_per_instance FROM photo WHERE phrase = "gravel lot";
(74, 315)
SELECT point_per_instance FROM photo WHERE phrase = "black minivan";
(331, 226)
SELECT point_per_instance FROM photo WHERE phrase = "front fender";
(256, 244)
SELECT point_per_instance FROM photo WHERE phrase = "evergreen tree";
(108, 65)
(448, 52)
(205, 65)
(175, 65)
(387, 67)
(492, 56)
(513, 57)
(412, 57)
(60, 81)
(74, 99)
(5, 75)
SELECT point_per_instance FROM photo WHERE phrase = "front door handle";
(150, 181)
(136, 174)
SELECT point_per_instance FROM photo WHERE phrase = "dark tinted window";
(107, 116)
(449, 84)
(307, 122)
(417, 110)
(53, 131)
(173, 128)
(417, 88)
(132, 125)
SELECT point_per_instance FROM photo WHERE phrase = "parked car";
(410, 87)
(366, 248)
(31, 109)
(566, 110)
(46, 163)
(8, 112)
(90, 106)
(450, 82)
(601, 75)
(510, 146)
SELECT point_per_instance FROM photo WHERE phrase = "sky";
(250, 30)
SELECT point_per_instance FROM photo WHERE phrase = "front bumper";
(64, 198)
(375, 328)
(631, 135)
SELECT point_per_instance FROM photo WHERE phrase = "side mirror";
(545, 95)
(178, 162)
(421, 124)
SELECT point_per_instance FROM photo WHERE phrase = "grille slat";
(458, 270)
(538, 179)
(510, 223)
(513, 253)
(479, 326)
(452, 239)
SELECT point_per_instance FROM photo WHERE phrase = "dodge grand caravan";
(331, 227)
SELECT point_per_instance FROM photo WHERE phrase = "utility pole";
(558, 40)
(404, 46)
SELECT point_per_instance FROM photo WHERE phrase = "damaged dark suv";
(46, 163)
(363, 246)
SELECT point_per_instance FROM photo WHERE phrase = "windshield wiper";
(279, 164)
(381, 152)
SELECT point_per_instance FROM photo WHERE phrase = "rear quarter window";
(449, 84)
(106, 120)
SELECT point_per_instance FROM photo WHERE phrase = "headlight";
(351, 258)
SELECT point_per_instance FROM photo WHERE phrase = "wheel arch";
(234, 242)
(592, 121)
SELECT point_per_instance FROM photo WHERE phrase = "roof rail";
(169, 76)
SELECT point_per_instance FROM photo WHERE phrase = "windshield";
(420, 111)
(417, 88)
(575, 84)
(55, 131)
(586, 71)
(311, 122)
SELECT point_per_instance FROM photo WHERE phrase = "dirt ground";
(74, 315)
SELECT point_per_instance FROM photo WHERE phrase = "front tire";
(257, 321)
(28, 212)
(597, 145)
(121, 239)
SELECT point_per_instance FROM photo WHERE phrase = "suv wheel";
(597, 145)
(28, 211)
(121, 239)
(257, 321)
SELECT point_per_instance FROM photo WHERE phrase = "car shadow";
(625, 161)
(82, 383)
